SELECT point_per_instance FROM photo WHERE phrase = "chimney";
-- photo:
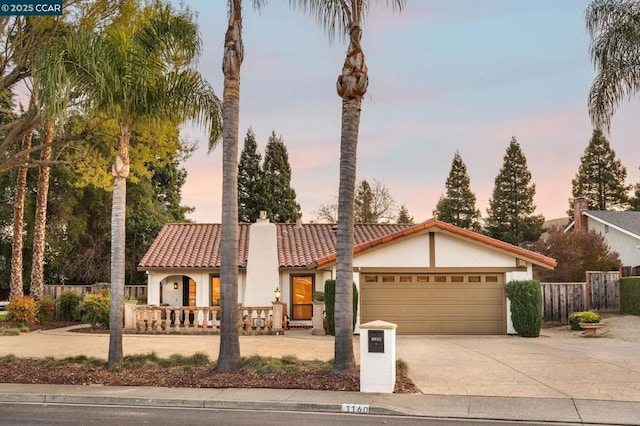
(580, 205)
(262, 274)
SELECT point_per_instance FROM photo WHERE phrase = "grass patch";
(269, 365)
(10, 331)
(152, 360)
(60, 362)
(7, 359)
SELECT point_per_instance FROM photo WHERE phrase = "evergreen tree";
(251, 196)
(635, 200)
(403, 216)
(511, 207)
(600, 177)
(364, 204)
(458, 206)
(281, 205)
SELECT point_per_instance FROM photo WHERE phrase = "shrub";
(67, 306)
(630, 295)
(330, 305)
(526, 306)
(23, 310)
(46, 309)
(96, 309)
(575, 318)
(317, 296)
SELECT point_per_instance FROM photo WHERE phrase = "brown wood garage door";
(435, 303)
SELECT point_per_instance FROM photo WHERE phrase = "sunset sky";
(445, 75)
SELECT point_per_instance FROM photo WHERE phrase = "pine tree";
(403, 216)
(511, 207)
(458, 206)
(601, 177)
(281, 205)
(364, 204)
(251, 195)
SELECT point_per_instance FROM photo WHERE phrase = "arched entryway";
(178, 290)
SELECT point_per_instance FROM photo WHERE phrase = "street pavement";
(557, 377)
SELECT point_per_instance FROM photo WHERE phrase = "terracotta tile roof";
(191, 245)
(299, 245)
(532, 257)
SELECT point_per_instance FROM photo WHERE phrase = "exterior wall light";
(277, 293)
(175, 286)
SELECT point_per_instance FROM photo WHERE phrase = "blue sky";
(444, 75)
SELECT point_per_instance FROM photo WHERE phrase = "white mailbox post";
(377, 357)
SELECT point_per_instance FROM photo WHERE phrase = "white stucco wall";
(263, 275)
(166, 278)
(624, 244)
(453, 252)
(409, 252)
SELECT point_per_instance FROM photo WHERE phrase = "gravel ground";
(619, 327)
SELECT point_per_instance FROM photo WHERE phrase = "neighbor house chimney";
(580, 205)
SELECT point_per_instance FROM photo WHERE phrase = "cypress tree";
(403, 216)
(251, 194)
(280, 204)
(601, 177)
(511, 207)
(458, 206)
(363, 211)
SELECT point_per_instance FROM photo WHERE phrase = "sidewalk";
(557, 377)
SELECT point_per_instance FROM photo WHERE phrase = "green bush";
(575, 318)
(46, 309)
(330, 305)
(630, 295)
(68, 306)
(96, 309)
(526, 306)
(23, 310)
(317, 296)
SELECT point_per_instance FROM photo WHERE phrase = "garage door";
(435, 303)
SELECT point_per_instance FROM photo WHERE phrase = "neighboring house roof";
(191, 245)
(626, 222)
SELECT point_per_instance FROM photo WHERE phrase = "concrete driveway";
(559, 364)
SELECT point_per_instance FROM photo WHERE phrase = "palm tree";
(16, 285)
(135, 70)
(614, 28)
(345, 17)
(229, 352)
(36, 288)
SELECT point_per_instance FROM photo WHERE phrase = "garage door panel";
(436, 308)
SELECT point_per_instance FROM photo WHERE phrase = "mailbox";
(376, 341)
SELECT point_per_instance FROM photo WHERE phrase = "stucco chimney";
(580, 204)
(262, 263)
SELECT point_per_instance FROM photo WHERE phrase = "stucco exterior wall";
(406, 253)
(456, 253)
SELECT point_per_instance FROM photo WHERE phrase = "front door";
(301, 290)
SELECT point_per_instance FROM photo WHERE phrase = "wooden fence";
(600, 292)
(130, 291)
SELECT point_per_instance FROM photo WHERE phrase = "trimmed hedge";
(630, 295)
(526, 306)
(330, 305)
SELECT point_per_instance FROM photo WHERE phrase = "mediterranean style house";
(428, 278)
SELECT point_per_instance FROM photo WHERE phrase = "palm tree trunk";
(40, 222)
(16, 285)
(229, 353)
(118, 233)
(352, 85)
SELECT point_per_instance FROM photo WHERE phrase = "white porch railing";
(146, 319)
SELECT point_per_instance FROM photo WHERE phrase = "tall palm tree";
(345, 17)
(137, 69)
(229, 352)
(614, 28)
(16, 285)
(36, 288)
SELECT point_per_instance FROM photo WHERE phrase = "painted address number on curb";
(355, 408)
